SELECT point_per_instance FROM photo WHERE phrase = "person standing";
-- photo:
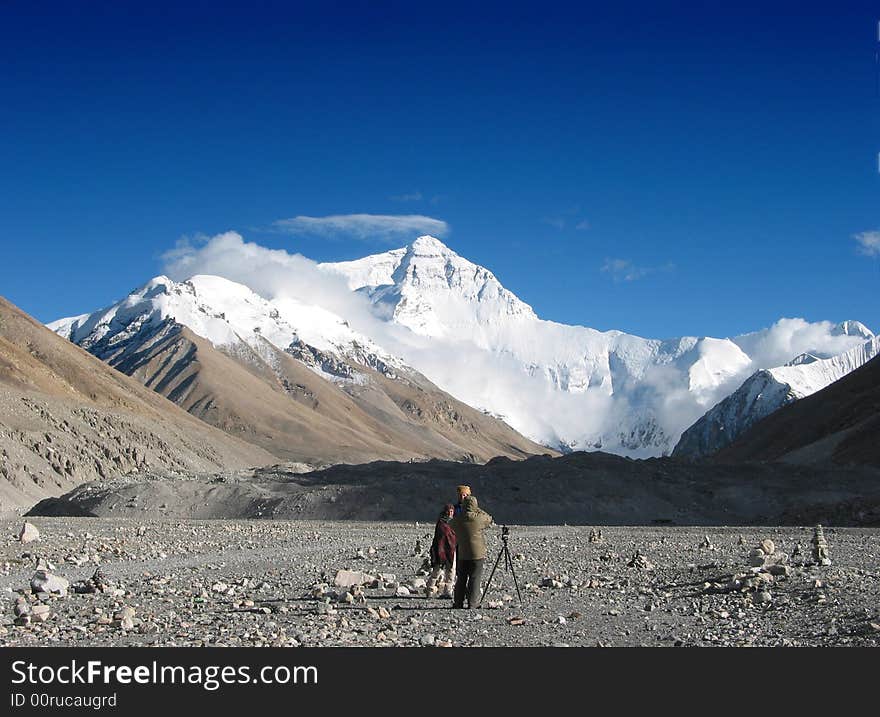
(469, 525)
(442, 555)
(463, 492)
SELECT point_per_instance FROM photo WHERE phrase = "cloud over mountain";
(364, 226)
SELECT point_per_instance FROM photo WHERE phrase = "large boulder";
(28, 533)
(45, 582)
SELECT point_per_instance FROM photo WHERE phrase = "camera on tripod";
(508, 565)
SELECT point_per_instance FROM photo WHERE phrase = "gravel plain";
(271, 583)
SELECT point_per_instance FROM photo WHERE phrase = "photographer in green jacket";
(469, 525)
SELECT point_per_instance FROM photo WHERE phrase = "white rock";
(757, 557)
(28, 533)
(41, 613)
(348, 578)
(46, 582)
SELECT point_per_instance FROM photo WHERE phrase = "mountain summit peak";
(429, 244)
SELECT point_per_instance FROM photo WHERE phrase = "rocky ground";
(225, 582)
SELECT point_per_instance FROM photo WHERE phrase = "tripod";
(508, 565)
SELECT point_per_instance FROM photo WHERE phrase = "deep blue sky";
(733, 154)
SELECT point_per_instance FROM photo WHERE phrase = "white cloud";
(272, 273)
(869, 243)
(364, 226)
(788, 338)
(582, 225)
(625, 270)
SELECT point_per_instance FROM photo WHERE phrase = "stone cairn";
(767, 564)
(820, 547)
(99, 582)
(640, 562)
(595, 536)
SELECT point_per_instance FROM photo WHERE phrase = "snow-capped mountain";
(287, 375)
(433, 291)
(226, 314)
(426, 309)
(766, 391)
(570, 387)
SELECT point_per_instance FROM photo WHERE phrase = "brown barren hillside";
(267, 397)
(66, 418)
(839, 424)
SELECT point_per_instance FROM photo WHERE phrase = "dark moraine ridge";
(578, 489)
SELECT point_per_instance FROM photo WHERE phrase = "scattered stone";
(595, 536)
(225, 598)
(549, 582)
(97, 583)
(124, 618)
(45, 582)
(757, 557)
(41, 613)
(768, 546)
(640, 562)
(28, 533)
(347, 578)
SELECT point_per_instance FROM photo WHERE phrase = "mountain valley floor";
(253, 582)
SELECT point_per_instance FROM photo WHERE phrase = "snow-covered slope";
(570, 387)
(433, 291)
(766, 391)
(287, 375)
(226, 314)
(424, 306)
